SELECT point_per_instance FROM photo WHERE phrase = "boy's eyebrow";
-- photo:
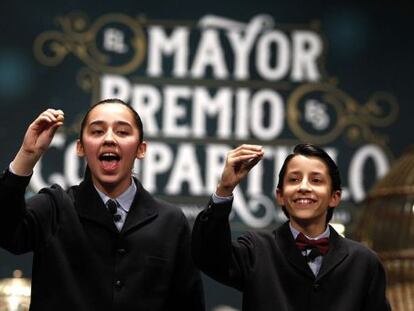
(317, 173)
(101, 122)
(299, 172)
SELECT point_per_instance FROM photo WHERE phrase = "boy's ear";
(142, 149)
(279, 197)
(335, 198)
(79, 149)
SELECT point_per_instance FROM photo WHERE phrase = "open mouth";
(109, 157)
(109, 161)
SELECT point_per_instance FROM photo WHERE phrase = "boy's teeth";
(304, 201)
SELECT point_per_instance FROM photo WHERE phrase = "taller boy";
(302, 265)
(105, 244)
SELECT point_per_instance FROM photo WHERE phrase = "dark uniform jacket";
(80, 260)
(274, 275)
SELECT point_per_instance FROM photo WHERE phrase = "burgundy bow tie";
(303, 243)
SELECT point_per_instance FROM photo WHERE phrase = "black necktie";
(113, 209)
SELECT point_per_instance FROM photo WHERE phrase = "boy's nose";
(109, 137)
(304, 185)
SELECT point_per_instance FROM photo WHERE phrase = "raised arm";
(36, 141)
(20, 228)
(212, 247)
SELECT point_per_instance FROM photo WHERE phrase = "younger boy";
(283, 270)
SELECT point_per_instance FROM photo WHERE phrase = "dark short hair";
(310, 150)
(137, 118)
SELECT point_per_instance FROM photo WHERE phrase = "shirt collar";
(324, 234)
(124, 199)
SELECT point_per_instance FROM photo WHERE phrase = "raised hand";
(239, 162)
(36, 140)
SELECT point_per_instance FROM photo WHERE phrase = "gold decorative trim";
(81, 39)
(336, 108)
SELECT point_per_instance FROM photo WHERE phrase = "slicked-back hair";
(310, 150)
(137, 118)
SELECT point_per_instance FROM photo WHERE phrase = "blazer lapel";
(287, 244)
(143, 209)
(336, 254)
(90, 206)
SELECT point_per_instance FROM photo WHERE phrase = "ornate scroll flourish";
(320, 113)
(82, 40)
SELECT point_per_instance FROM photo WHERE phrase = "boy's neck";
(112, 191)
(309, 229)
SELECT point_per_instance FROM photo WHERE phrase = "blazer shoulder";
(360, 250)
(261, 236)
(58, 194)
(257, 239)
(161, 206)
(167, 207)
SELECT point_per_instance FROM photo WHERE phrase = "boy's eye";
(96, 131)
(122, 132)
(317, 180)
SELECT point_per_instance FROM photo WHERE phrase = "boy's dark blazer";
(274, 275)
(81, 262)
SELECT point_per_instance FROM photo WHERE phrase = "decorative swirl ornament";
(320, 113)
(114, 43)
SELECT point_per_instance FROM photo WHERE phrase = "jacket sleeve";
(213, 250)
(188, 290)
(24, 225)
(376, 299)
